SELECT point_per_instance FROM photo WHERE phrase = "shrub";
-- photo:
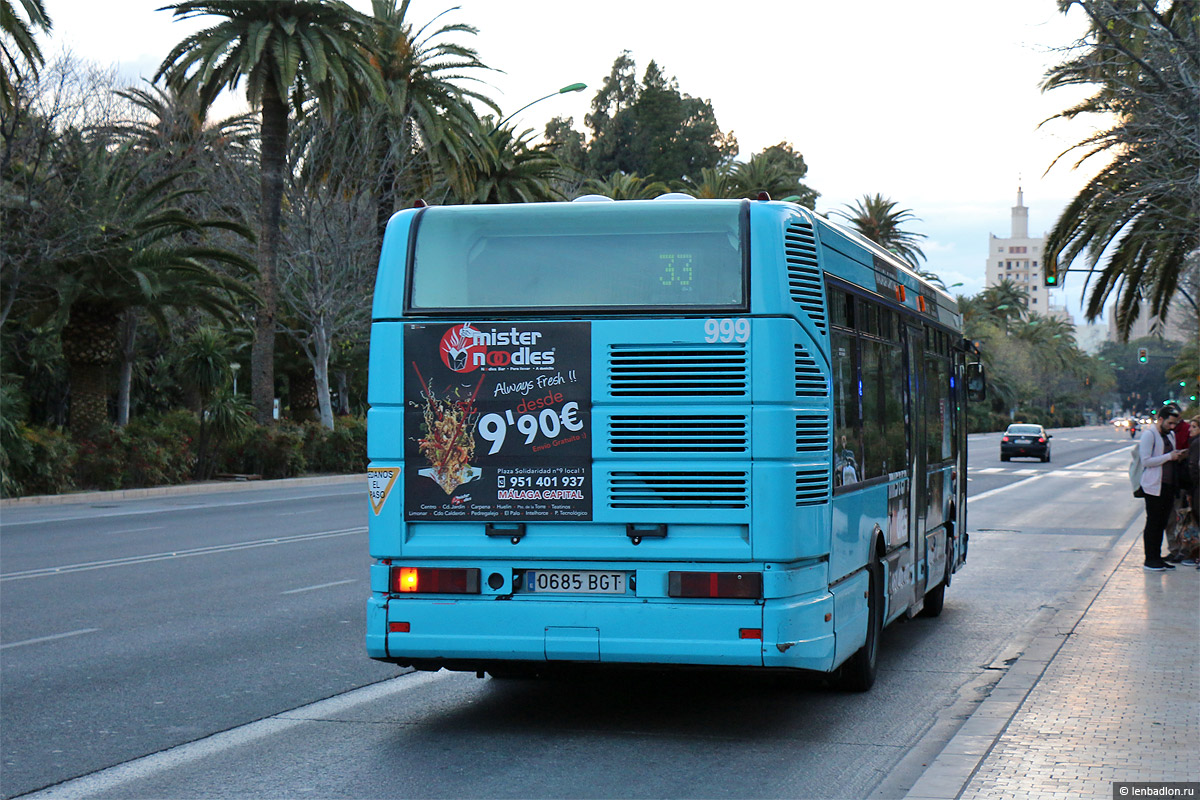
(342, 450)
(101, 463)
(36, 461)
(159, 453)
(270, 452)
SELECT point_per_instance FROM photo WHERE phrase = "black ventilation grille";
(812, 432)
(810, 381)
(804, 276)
(661, 489)
(679, 433)
(812, 486)
(678, 371)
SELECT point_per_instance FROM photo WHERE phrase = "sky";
(932, 103)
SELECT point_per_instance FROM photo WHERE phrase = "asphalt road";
(130, 626)
(133, 627)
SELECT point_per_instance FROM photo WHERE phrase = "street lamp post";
(574, 87)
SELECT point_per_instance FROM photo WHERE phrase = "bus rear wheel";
(857, 674)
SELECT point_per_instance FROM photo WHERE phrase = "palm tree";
(877, 218)
(775, 173)
(204, 368)
(427, 114)
(510, 171)
(1004, 302)
(139, 251)
(176, 125)
(1143, 209)
(285, 49)
(24, 48)
(620, 186)
(713, 183)
(216, 158)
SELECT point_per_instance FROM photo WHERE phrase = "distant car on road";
(1025, 440)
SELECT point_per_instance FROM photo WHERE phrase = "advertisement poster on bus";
(497, 421)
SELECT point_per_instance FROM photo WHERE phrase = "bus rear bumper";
(426, 632)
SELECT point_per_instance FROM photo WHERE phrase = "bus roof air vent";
(592, 198)
(675, 196)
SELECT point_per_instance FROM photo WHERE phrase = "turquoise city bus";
(663, 432)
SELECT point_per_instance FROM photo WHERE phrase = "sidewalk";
(1107, 691)
(203, 487)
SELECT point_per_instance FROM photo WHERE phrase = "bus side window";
(847, 447)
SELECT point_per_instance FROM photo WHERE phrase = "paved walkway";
(1108, 691)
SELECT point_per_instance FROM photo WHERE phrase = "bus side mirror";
(976, 385)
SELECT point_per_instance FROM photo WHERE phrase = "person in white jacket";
(1157, 449)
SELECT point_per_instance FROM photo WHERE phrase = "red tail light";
(1004, 438)
(1041, 439)
(434, 580)
(741, 585)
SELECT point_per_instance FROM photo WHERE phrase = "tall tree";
(141, 251)
(426, 120)
(509, 170)
(284, 49)
(217, 159)
(330, 252)
(653, 129)
(1142, 210)
(20, 55)
(877, 218)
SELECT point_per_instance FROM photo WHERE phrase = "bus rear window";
(614, 256)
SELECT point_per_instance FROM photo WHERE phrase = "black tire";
(1046, 458)
(934, 600)
(857, 674)
(1004, 458)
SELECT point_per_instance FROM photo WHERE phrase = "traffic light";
(1050, 272)
(1143, 355)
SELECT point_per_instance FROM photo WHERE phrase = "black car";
(1025, 440)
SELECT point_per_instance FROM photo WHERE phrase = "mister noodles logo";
(465, 348)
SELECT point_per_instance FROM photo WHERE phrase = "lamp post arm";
(574, 87)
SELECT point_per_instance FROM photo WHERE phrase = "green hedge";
(162, 451)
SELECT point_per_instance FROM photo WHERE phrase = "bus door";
(914, 351)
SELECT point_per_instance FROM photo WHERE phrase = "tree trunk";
(262, 353)
(89, 397)
(125, 382)
(89, 346)
(320, 364)
(343, 383)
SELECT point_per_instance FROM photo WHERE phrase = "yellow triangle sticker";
(379, 485)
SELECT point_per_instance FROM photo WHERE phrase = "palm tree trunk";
(273, 157)
(89, 397)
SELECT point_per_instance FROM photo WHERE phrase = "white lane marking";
(41, 639)
(114, 778)
(198, 551)
(1117, 455)
(188, 507)
(297, 513)
(139, 530)
(319, 586)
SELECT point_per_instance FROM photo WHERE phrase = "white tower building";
(1018, 258)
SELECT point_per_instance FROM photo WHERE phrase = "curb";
(169, 491)
(950, 772)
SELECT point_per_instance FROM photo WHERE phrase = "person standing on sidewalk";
(1157, 449)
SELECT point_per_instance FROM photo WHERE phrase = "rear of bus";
(597, 435)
